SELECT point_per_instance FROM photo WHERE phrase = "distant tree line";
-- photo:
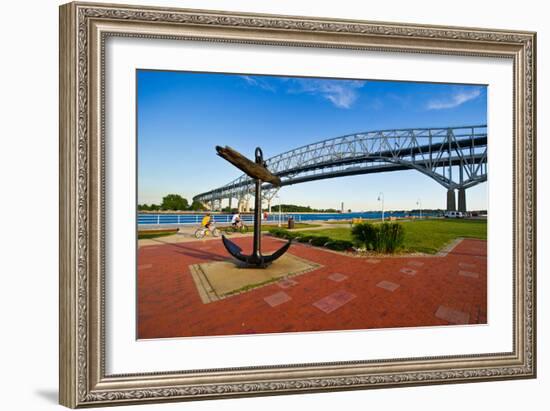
(173, 202)
(293, 208)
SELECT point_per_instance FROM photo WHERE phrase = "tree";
(197, 206)
(174, 202)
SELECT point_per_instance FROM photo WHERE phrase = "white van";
(454, 214)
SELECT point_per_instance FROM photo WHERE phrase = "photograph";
(283, 204)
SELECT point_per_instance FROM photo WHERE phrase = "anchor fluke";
(255, 260)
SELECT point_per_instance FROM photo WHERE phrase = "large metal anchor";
(259, 172)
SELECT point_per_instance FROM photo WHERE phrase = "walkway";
(344, 293)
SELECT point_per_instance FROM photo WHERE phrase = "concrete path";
(187, 234)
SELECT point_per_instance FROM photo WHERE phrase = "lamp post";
(381, 198)
(279, 198)
(419, 204)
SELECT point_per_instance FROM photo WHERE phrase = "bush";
(292, 236)
(305, 238)
(278, 232)
(365, 235)
(320, 241)
(391, 237)
(383, 238)
(339, 245)
(282, 233)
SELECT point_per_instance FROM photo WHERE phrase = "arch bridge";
(455, 157)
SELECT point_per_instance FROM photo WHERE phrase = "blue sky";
(182, 116)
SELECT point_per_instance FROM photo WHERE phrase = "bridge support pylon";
(462, 200)
(451, 203)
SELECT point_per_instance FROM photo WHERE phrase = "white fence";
(195, 219)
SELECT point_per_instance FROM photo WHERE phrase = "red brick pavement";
(169, 304)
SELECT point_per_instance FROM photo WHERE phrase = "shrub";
(365, 235)
(292, 236)
(391, 237)
(305, 238)
(278, 232)
(320, 241)
(383, 238)
(339, 245)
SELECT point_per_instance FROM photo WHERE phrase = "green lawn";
(142, 235)
(426, 236)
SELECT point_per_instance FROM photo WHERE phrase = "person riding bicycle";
(207, 221)
(236, 219)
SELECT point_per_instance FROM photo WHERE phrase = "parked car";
(454, 214)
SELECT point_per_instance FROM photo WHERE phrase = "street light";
(381, 198)
(279, 198)
(419, 204)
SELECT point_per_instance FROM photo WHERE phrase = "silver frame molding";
(83, 30)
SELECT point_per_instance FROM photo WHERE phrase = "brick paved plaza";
(336, 292)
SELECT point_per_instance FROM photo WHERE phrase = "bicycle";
(201, 232)
(240, 227)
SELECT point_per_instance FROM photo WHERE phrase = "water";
(189, 219)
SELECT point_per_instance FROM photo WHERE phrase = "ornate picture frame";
(84, 28)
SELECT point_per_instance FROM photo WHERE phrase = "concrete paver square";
(225, 278)
(452, 316)
(334, 301)
(416, 263)
(408, 271)
(470, 274)
(277, 299)
(337, 277)
(286, 283)
(388, 285)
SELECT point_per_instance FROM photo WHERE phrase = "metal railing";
(195, 219)
(274, 217)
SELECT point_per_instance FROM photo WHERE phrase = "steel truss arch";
(455, 157)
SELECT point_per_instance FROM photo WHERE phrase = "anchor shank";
(237, 159)
(257, 219)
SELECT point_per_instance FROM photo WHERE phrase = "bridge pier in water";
(462, 199)
(451, 203)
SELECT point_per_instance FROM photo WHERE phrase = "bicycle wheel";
(199, 233)
(215, 232)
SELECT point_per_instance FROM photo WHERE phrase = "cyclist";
(207, 221)
(236, 220)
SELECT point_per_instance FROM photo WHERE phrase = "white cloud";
(258, 82)
(341, 93)
(455, 100)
